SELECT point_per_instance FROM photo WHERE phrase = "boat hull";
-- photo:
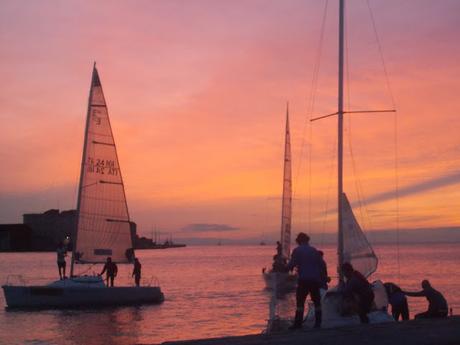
(50, 297)
(282, 281)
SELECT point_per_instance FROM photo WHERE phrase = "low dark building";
(15, 238)
(50, 227)
(43, 231)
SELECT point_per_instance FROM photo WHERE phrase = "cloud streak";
(432, 184)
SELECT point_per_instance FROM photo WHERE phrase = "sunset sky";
(197, 91)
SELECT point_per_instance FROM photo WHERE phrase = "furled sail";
(103, 227)
(356, 248)
(287, 195)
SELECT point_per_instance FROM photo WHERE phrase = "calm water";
(210, 291)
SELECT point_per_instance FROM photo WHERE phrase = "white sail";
(103, 227)
(287, 195)
(356, 248)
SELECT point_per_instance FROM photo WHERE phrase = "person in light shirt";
(309, 265)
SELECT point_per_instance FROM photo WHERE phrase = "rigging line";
(329, 187)
(348, 89)
(310, 110)
(396, 177)
(379, 45)
(395, 123)
(310, 106)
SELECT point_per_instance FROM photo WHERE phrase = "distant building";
(50, 228)
(44, 231)
(15, 238)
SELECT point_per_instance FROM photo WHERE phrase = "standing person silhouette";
(111, 269)
(137, 272)
(309, 265)
(61, 254)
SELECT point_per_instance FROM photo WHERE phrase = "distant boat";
(284, 281)
(103, 226)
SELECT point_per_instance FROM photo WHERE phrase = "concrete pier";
(414, 332)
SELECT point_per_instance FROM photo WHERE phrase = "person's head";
(136, 260)
(278, 243)
(109, 259)
(321, 253)
(347, 269)
(302, 238)
(425, 284)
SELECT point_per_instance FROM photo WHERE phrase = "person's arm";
(293, 262)
(415, 294)
(103, 270)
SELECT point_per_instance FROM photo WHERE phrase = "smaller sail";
(287, 195)
(356, 248)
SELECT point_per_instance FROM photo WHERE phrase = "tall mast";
(340, 138)
(287, 192)
(83, 159)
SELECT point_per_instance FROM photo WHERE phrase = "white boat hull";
(77, 294)
(332, 316)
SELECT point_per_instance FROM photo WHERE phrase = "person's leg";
(112, 278)
(59, 269)
(396, 312)
(137, 280)
(316, 298)
(405, 311)
(301, 296)
(63, 270)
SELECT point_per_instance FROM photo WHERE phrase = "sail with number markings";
(356, 248)
(287, 195)
(103, 226)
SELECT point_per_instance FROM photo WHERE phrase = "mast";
(287, 192)
(340, 139)
(83, 159)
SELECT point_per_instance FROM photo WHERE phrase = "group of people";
(356, 291)
(110, 268)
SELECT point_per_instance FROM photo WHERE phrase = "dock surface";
(414, 332)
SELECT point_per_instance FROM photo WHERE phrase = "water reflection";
(118, 326)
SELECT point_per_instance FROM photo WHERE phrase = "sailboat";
(103, 226)
(274, 278)
(353, 246)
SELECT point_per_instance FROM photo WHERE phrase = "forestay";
(356, 248)
(103, 227)
(287, 195)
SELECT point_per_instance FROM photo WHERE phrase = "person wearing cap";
(308, 262)
(357, 290)
(437, 304)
